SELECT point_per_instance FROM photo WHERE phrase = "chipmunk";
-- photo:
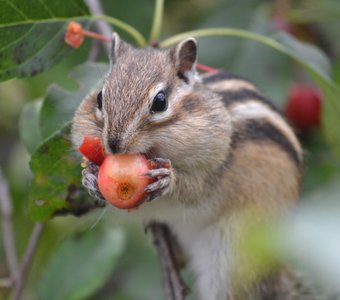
(230, 152)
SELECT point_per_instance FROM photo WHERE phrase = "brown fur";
(85, 121)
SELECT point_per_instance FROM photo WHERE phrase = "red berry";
(122, 179)
(74, 35)
(92, 149)
(304, 107)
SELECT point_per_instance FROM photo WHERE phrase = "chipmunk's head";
(150, 101)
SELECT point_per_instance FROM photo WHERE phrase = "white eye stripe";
(105, 93)
(231, 85)
(99, 114)
(103, 90)
(173, 102)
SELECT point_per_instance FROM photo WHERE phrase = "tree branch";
(175, 288)
(7, 229)
(26, 262)
(102, 27)
(94, 51)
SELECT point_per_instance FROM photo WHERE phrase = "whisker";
(100, 217)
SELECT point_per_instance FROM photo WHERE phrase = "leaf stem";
(136, 35)
(206, 68)
(222, 31)
(157, 21)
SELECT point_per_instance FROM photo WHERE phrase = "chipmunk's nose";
(114, 145)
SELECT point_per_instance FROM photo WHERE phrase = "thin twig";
(175, 288)
(26, 262)
(102, 27)
(7, 229)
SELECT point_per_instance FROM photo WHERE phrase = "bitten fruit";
(92, 149)
(304, 107)
(122, 179)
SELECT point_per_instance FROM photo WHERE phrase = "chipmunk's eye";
(159, 103)
(100, 100)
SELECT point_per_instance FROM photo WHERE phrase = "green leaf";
(314, 11)
(321, 164)
(308, 55)
(310, 238)
(318, 67)
(306, 238)
(56, 167)
(56, 170)
(81, 265)
(331, 113)
(29, 125)
(32, 34)
(268, 69)
(60, 105)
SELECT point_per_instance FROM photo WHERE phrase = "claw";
(163, 173)
(161, 162)
(152, 196)
(89, 181)
(158, 172)
(158, 185)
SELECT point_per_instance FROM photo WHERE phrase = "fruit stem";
(206, 68)
(97, 36)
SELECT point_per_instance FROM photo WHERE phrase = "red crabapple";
(304, 107)
(122, 179)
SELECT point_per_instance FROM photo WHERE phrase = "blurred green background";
(128, 267)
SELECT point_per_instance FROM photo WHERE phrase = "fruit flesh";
(122, 179)
(92, 149)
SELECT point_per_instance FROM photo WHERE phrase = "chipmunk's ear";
(117, 47)
(185, 58)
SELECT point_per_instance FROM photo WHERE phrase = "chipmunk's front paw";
(89, 181)
(164, 175)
